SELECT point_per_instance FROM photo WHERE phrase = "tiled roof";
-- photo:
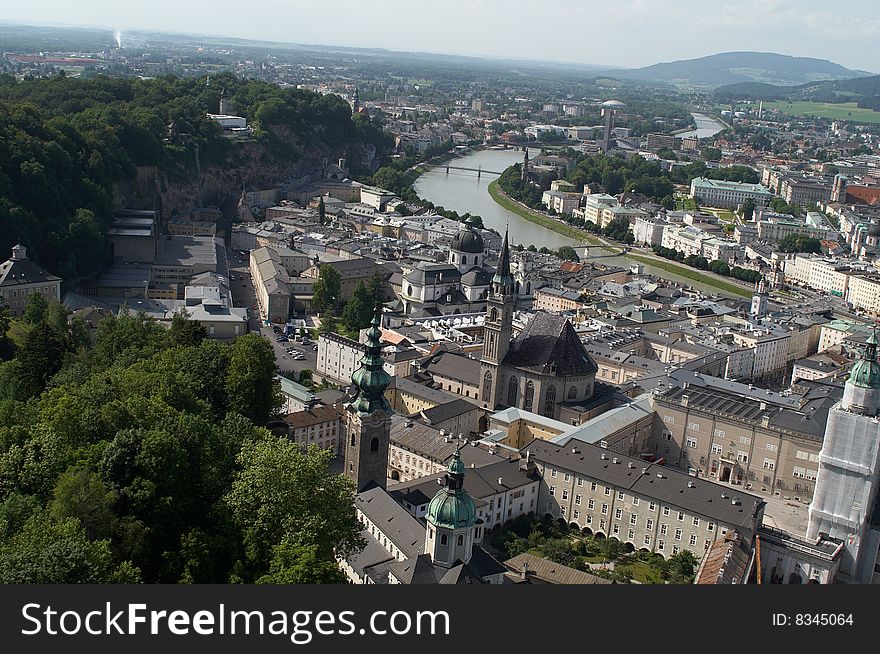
(549, 345)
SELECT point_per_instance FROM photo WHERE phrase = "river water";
(463, 192)
(706, 127)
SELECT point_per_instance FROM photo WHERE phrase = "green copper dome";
(866, 371)
(452, 507)
(371, 379)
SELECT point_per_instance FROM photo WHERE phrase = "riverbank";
(687, 272)
(533, 216)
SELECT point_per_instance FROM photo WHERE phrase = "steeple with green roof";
(452, 507)
(865, 372)
(371, 379)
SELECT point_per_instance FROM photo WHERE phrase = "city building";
(20, 277)
(717, 193)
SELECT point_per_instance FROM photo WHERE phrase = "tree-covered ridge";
(65, 143)
(144, 459)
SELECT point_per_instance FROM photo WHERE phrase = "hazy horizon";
(633, 33)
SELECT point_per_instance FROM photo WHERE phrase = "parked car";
(315, 349)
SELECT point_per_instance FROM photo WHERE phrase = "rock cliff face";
(249, 167)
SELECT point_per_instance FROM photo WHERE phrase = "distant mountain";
(865, 91)
(739, 67)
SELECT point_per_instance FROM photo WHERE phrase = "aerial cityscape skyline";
(491, 28)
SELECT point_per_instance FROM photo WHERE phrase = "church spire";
(371, 379)
(502, 273)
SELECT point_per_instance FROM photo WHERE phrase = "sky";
(626, 33)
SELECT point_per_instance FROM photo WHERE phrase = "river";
(461, 191)
(706, 127)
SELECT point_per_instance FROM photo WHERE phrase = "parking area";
(301, 356)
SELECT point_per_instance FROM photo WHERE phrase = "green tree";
(7, 348)
(327, 290)
(567, 253)
(185, 332)
(322, 211)
(295, 563)
(800, 243)
(40, 357)
(711, 154)
(282, 492)
(358, 310)
(35, 311)
(748, 209)
(377, 289)
(681, 567)
(251, 386)
(80, 493)
(48, 551)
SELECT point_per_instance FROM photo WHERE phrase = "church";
(443, 548)
(545, 366)
(458, 286)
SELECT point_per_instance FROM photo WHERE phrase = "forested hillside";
(66, 144)
(142, 458)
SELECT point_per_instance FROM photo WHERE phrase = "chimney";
(500, 480)
(684, 400)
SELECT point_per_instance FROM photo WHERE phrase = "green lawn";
(843, 111)
(534, 217)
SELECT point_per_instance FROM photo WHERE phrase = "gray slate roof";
(401, 528)
(549, 345)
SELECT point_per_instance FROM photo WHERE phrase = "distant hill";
(741, 67)
(865, 91)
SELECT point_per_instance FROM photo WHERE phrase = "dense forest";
(65, 143)
(138, 455)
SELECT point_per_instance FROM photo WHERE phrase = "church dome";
(452, 507)
(468, 241)
(866, 371)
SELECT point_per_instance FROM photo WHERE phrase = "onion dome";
(467, 240)
(371, 379)
(452, 507)
(866, 371)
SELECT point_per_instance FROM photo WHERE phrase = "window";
(696, 522)
(593, 486)
(811, 475)
(771, 447)
(604, 509)
(663, 529)
(460, 540)
(691, 442)
(553, 490)
(800, 454)
(652, 506)
(711, 526)
(591, 504)
(444, 539)
(620, 495)
(669, 419)
(553, 473)
(799, 472)
(580, 481)
(572, 393)
(745, 440)
(630, 534)
(566, 477)
(649, 524)
(635, 501)
(647, 541)
(693, 540)
(616, 529)
(694, 426)
(577, 500)
(374, 447)
(706, 544)
(660, 545)
(680, 516)
(675, 549)
(564, 494)
(665, 510)
(678, 534)
(814, 458)
(633, 519)
(719, 433)
(743, 457)
(512, 391)
(608, 490)
(576, 515)
(717, 449)
(529, 396)
(589, 519)
(769, 464)
(549, 401)
(618, 514)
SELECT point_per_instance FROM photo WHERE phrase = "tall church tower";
(844, 499)
(759, 301)
(368, 416)
(451, 518)
(497, 328)
(355, 102)
(525, 166)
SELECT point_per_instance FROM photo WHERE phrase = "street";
(244, 294)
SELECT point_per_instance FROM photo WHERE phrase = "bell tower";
(368, 416)
(497, 328)
(451, 519)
